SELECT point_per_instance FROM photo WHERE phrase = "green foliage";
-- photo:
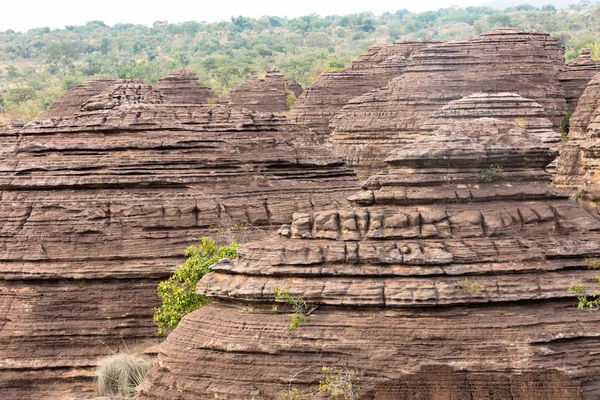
(178, 293)
(290, 99)
(300, 308)
(338, 383)
(582, 297)
(564, 127)
(469, 286)
(121, 374)
(489, 174)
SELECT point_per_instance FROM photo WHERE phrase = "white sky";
(21, 15)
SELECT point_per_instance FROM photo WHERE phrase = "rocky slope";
(184, 87)
(371, 126)
(70, 103)
(268, 94)
(578, 169)
(332, 90)
(98, 207)
(576, 75)
(433, 270)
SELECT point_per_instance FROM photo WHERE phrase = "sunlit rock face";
(576, 75)
(372, 126)
(443, 279)
(98, 207)
(324, 97)
(268, 94)
(578, 169)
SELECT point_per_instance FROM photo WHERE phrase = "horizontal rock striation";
(70, 103)
(576, 75)
(97, 208)
(332, 90)
(578, 170)
(371, 126)
(268, 94)
(184, 87)
(434, 270)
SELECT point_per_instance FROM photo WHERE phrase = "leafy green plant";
(178, 293)
(121, 374)
(300, 308)
(489, 174)
(565, 126)
(469, 286)
(582, 297)
(339, 382)
(290, 99)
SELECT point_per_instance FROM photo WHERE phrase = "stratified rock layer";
(332, 90)
(578, 169)
(263, 95)
(432, 270)
(97, 208)
(184, 87)
(576, 75)
(70, 104)
(371, 126)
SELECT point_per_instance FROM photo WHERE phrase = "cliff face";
(263, 95)
(332, 90)
(436, 268)
(578, 169)
(576, 75)
(98, 207)
(371, 126)
(184, 87)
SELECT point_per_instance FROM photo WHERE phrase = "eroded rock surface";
(578, 169)
(576, 75)
(432, 266)
(184, 87)
(332, 90)
(371, 126)
(268, 94)
(97, 208)
(70, 103)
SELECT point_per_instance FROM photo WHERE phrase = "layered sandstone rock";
(70, 103)
(332, 90)
(433, 270)
(576, 75)
(97, 208)
(578, 169)
(184, 87)
(371, 126)
(268, 94)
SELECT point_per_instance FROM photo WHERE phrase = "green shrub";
(121, 374)
(178, 293)
(290, 99)
(300, 308)
(489, 174)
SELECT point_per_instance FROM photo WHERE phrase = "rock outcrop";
(371, 126)
(437, 267)
(576, 75)
(268, 94)
(332, 90)
(578, 169)
(70, 103)
(184, 87)
(97, 208)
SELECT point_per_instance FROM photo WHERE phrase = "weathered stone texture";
(263, 95)
(578, 169)
(371, 126)
(386, 276)
(332, 90)
(97, 208)
(70, 103)
(184, 87)
(576, 75)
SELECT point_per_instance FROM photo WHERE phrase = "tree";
(62, 55)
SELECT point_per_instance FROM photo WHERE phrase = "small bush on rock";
(121, 374)
(178, 293)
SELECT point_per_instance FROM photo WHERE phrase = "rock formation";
(184, 87)
(332, 90)
(263, 95)
(97, 208)
(371, 126)
(578, 169)
(433, 270)
(70, 103)
(575, 76)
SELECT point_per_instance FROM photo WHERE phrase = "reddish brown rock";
(371, 126)
(576, 75)
(431, 266)
(70, 103)
(332, 90)
(97, 208)
(268, 94)
(578, 169)
(184, 87)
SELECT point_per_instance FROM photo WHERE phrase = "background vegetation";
(40, 65)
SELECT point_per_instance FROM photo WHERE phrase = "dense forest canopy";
(40, 65)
